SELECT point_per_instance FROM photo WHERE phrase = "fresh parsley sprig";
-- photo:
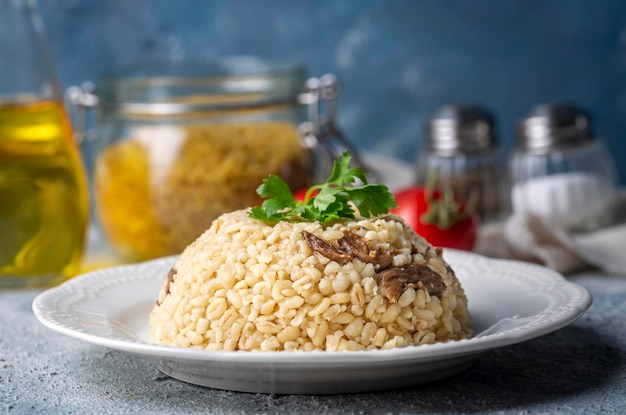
(333, 200)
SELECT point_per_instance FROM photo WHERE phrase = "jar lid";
(549, 127)
(461, 129)
(178, 86)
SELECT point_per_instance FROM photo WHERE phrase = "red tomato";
(412, 204)
(299, 195)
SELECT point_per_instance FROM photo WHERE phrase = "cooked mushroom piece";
(334, 253)
(394, 281)
(357, 246)
(170, 279)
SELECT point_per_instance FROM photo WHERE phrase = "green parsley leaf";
(336, 199)
(277, 193)
(372, 199)
(343, 174)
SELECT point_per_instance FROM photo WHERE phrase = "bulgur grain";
(246, 285)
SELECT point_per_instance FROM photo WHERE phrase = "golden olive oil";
(43, 195)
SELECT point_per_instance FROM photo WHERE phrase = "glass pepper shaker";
(462, 149)
(560, 171)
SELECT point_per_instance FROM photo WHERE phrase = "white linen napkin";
(529, 238)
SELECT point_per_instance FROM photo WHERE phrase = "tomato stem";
(443, 210)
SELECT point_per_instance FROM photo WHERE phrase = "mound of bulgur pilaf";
(247, 285)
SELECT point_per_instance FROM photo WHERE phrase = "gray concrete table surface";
(580, 369)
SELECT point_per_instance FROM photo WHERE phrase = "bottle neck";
(26, 73)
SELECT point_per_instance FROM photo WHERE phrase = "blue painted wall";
(398, 59)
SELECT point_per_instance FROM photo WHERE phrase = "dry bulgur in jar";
(180, 144)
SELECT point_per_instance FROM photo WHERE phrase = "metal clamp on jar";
(322, 129)
(461, 148)
(179, 143)
(560, 172)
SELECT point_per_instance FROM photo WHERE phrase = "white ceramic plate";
(510, 302)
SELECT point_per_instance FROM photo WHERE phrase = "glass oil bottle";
(43, 190)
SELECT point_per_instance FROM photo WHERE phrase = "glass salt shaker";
(462, 149)
(560, 172)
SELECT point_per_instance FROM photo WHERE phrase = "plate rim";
(580, 301)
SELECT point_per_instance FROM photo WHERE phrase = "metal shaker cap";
(549, 127)
(460, 129)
